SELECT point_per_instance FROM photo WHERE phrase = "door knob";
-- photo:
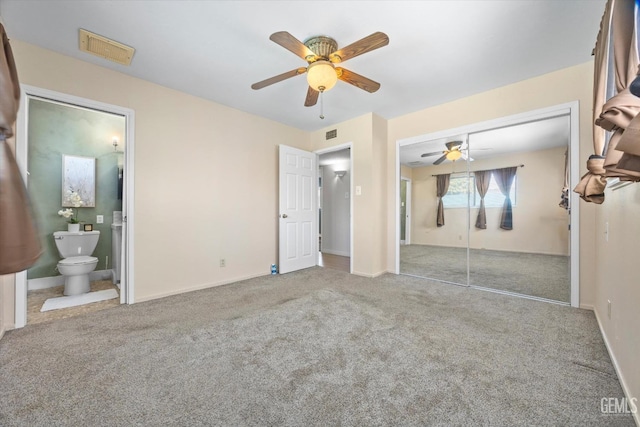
(285, 216)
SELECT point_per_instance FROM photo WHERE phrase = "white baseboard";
(199, 287)
(625, 389)
(492, 249)
(370, 276)
(53, 281)
(332, 252)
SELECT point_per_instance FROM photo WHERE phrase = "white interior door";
(298, 224)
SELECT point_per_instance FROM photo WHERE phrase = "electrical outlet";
(99, 219)
(222, 262)
(609, 309)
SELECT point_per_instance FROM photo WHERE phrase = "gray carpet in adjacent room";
(314, 347)
(538, 275)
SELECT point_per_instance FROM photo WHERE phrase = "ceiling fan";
(321, 53)
(454, 151)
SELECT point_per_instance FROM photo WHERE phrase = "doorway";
(334, 208)
(52, 127)
(454, 245)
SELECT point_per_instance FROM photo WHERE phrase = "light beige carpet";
(316, 347)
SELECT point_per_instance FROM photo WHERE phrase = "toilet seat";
(78, 260)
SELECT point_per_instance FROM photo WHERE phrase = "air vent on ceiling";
(105, 48)
(332, 134)
(415, 163)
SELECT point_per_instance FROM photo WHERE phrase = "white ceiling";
(438, 51)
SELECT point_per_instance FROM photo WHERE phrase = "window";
(460, 185)
(457, 194)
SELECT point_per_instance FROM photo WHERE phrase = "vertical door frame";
(351, 181)
(572, 109)
(22, 123)
(407, 222)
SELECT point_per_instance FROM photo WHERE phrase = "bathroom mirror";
(79, 176)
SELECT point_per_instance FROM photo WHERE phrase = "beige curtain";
(592, 184)
(621, 108)
(442, 186)
(19, 244)
(504, 179)
(482, 185)
(630, 140)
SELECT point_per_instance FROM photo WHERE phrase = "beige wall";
(379, 179)
(205, 175)
(540, 225)
(618, 280)
(560, 87)
(406, 171)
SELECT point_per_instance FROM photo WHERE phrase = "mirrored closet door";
(439, 218)
(487, 209)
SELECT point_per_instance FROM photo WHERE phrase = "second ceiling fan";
(321, 53)
(454, 151)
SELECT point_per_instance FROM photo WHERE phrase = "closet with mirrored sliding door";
(490, 207)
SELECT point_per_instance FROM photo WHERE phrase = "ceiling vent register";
(105, 48)
(332, 134)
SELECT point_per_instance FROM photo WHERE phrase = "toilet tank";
(80, 243)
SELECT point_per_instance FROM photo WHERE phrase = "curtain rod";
(518, 166)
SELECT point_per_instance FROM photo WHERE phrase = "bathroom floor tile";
(36, 298)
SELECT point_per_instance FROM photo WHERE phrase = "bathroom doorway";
(53, 127)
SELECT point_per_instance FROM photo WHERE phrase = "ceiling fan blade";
(440, 160)
(312, 97)
(357, 80)
(278, 78)
(292, 44)
(431, 154)
(367, 44)
(453, 144)
(465, 156)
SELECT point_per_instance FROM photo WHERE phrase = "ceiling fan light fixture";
(454, 155)
(321, 75)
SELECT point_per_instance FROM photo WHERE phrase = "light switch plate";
(99, 219)
(358, 190)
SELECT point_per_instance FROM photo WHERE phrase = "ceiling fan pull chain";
(321, 105)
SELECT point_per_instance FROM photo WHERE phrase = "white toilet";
(76, 249)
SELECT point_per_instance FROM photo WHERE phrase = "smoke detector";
(105, 48)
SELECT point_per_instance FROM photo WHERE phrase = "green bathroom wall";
(55, 130)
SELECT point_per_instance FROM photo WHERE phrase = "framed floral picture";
(78, 181)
